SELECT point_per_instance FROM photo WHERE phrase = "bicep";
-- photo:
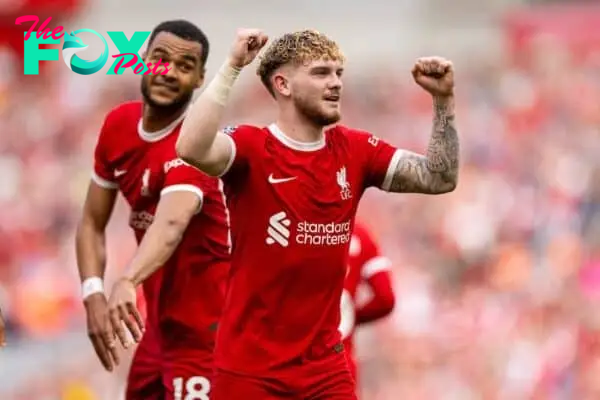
(218, 159)
(408, 174)
(99, 204)
(413, 173)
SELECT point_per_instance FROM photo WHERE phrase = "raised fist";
(246, 46)
(435, 75)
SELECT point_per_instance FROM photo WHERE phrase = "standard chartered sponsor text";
(329, 234)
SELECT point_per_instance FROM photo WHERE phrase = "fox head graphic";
(73, 44)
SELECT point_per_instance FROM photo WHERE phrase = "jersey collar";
(160, 134)
(295, 144)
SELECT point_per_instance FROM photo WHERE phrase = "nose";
(335, 81)
(167, 72)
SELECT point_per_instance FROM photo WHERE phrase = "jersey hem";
(375, 265)
(389, 175)
(185, 188)
(104, 183)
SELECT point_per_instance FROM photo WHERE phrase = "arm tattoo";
(437, 172)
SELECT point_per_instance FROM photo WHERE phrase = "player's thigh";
(187, 378)
(338, 386)
(329, 378)
(228, 386)
(144, 380)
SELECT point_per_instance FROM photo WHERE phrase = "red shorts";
(168, 375)
(323, 379)
(144, 381)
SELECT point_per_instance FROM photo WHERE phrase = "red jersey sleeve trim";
(389, 175)
(374, 266)
(185, 188)
(103, 183)
(231, 156)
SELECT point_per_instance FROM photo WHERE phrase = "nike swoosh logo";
(119, 172)
(280, 180)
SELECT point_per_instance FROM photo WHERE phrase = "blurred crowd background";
(498, 283)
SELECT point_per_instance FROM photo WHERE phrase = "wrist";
(90, 286)
(444, 105)
(231, 63)
(130, 279)
(220, 87)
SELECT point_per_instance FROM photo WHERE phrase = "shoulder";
(243, 130)
(246, 136)
(131, 110)
(123, 117)
(352, 135)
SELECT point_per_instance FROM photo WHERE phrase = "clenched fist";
(435, 75)
(246, 46)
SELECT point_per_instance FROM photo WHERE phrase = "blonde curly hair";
(296, 48)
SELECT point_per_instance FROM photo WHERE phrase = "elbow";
(182, 149)
(444, 186)
(449, 187)
(172, 231)
(388, 302)
(186, 154)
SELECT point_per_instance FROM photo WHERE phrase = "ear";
(281, 84)
(144, 55)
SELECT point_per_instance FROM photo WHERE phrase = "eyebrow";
(187, 57)
(191, 58)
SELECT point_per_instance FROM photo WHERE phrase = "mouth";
(166, 86)
(335, 98)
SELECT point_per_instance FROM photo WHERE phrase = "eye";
(185, 67)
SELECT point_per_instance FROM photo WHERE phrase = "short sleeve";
(180, 176)
(241, 138)
(373, 261)
(380, 160)
(103, 174)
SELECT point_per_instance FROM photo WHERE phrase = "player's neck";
(155, 119)
(298, 128)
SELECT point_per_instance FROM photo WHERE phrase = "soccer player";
(293, 188)
(179, 218)
(366, 266)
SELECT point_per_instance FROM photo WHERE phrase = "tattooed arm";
(437, 172)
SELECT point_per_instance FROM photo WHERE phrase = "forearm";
(91, 251)
(197, 143)
(437, 172)
(158, 245)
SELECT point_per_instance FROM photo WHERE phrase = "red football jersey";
(364, 262)
(185, 297)
(292, 208)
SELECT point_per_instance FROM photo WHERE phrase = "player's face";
(175, 89)
(316, 90)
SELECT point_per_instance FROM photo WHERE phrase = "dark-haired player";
(293, 189)
(180, 222)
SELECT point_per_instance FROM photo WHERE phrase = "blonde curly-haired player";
(293, 189)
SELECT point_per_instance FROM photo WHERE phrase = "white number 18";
(196, 388)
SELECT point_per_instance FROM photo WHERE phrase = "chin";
(331, 118)
(163, 102)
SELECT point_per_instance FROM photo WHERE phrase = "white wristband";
(91, 286)
(219, 88)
